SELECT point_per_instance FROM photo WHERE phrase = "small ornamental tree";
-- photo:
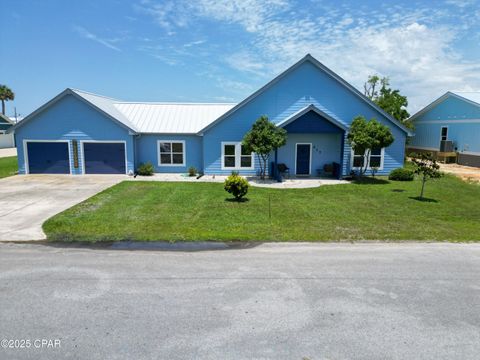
(236, 185)
(426, 166)
(367, 135)
(263, 138)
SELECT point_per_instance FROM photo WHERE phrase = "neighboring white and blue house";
(83, 133)
(6, 139)
(455, 117)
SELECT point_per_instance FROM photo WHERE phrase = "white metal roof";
(186, 118)
(175, 118)
(470, 95)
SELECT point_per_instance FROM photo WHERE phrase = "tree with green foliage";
(263, 138)
(367, 135)
(426, 166)
(6, 94)
(236, 185)
(391, 101)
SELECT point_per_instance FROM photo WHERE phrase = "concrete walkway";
(293, 183)
(8, 152)
(26, 201)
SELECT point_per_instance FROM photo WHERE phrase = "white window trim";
(25, 153)
(382, 158)
(441, 128)
(184, 157)
(310, 168)
(238, 155)
(82, 151)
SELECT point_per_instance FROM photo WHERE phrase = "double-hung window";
(375, 160)
(444, 133)
(171, 153)
(235, 157)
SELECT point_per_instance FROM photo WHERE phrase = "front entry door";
(303, 159)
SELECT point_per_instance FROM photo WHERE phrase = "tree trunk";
(3, 107)
(260, 162)
(424, 180)
(263, 167)
(366, 163)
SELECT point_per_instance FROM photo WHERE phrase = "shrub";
(401, 174)
(237, 186)
(192, 171)
(146, 169)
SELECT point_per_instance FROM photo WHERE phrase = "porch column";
(342, 154)
(275, 167)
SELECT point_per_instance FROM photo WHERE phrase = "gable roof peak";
(472, 97)
(308, 57)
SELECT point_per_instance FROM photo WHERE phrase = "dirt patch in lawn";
(466, 173)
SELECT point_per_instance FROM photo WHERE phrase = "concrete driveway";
(26, 201)
(273, 301)
(7, 152)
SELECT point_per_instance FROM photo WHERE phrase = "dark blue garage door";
(48, 158)
(104, 158)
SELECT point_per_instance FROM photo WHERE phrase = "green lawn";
(8, 166)
(202, 211)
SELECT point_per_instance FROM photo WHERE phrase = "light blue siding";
(304, 86)
(72, 119)
(147, 150)
(462, 119)
(326, 148)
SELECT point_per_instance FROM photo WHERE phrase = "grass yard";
(8, 166)
(202, 211)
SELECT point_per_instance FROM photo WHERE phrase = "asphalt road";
(299, 301)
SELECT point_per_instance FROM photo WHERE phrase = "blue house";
(454, 117)
(83, 133)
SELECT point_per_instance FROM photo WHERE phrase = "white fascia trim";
(238, 156)
(184, 156)
(422, 148)
(450, 121)
(107, 142)
(25, 152)
(474, 153)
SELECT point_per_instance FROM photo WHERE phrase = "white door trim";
(106, 142)
(310, 164)
(25, 152)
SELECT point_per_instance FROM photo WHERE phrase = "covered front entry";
(104, 158)
(303, 159)
(315, 145)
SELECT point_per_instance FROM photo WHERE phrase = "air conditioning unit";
(446, 146)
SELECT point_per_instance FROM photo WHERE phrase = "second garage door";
(104, 158)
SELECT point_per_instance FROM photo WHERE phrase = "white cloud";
(194, 43)
(461, 3)
(415, 46)
(91, 36)
(251, 14)
(247, 62)
(168, 14)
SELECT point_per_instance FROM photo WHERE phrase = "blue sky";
(221, 51)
